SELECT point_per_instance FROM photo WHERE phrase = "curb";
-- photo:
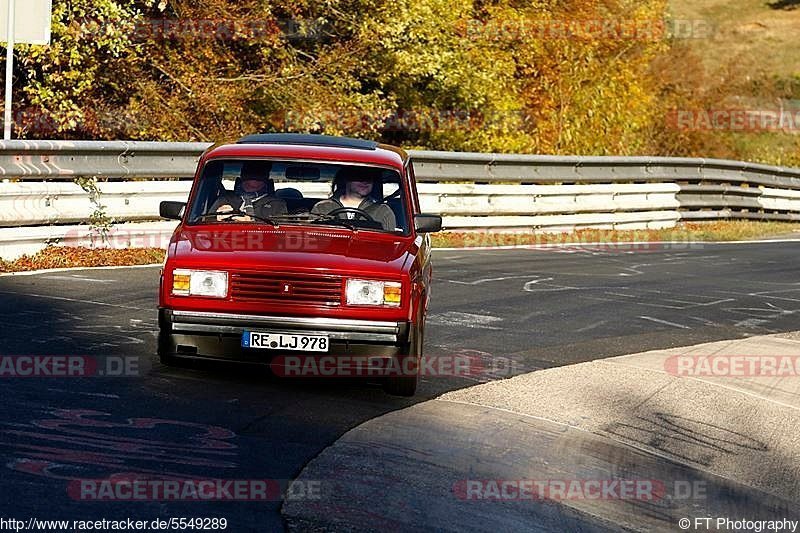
(704, 446)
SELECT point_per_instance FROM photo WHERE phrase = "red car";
(301, 252)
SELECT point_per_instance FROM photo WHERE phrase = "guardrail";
(472, 191)
(438, 166)
(27, 160)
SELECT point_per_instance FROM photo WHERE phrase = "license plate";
(284, 341)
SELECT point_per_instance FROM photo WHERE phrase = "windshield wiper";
(228, 215)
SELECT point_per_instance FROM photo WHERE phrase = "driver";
(253, 194)
(353, 188)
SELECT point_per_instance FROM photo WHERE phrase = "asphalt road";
(512, 311)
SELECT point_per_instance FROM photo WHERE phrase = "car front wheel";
(406, 385)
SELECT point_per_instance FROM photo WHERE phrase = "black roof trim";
(309, 140)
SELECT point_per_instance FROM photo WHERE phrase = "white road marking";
(539, 280)
(775, 312)
(79, 278)
(634, 270)
(75, 300)
(704, 321)
(776, 297)
(528, 316)
(530, 287)
(466, 320)
(487, 280)
(700, 304)
(750, 323)
(665, 322)
(590, 326)
(646, 304)
(687, 304)
(115, 334)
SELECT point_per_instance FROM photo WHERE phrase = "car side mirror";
(424, 223)
(171, 210)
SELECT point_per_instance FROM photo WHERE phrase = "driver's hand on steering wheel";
(227, 208)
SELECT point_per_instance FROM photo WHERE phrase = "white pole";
(9, 70)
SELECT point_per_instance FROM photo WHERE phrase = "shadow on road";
(215, 421)
(787, 5)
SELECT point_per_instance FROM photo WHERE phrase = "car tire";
(166, 354)
(407, 385)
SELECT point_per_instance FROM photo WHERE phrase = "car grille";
(271, 287)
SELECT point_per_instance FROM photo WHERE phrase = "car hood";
(291, 248)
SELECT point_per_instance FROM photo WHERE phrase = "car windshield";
(275, 192)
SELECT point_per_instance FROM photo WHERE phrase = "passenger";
(354, 187)
(253, 194)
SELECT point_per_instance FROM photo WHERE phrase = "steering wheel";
(360, 213)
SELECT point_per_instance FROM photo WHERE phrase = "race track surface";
(508, 311)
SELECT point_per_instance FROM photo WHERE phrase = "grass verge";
(66, 257)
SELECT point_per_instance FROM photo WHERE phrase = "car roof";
(323, 148)
(308, 139)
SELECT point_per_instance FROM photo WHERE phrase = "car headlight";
(208, 283)
(365, 292)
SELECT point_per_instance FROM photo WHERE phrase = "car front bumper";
(193, 334)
